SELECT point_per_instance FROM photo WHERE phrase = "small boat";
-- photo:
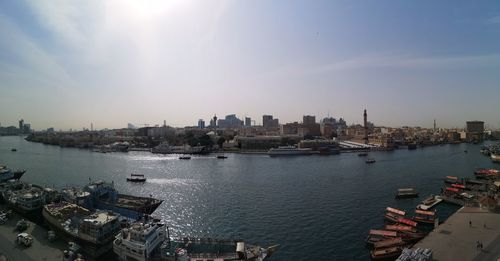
(486, 173)
(397, 241)
(136, 178)
(406, 193)
(393, 214)
(400, 228)
(386, 253)
(423, 216)
(370, 160)
(363, 154)
(13, 149)
(495, 158)
(184, 157)
(221, 157)
(411, 237)
(375, 236)
(451, 179)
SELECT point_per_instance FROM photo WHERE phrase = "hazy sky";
(65, 64)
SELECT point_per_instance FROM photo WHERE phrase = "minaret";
(434, 125)
(365, 119)
(215, 121)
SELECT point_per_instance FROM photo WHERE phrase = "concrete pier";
(455, 239)
(41, 249)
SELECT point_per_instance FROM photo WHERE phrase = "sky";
(65, 64)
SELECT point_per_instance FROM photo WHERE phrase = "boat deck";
(41, 249)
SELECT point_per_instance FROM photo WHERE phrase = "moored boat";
(482, 173)
(94, 231)
(495, 158)
(184, 157)
(429, 202)
(214, 249)
(7, 174)
(289, 151)
(141, 240)
(393, 214)
(423, 216)
(406, 193)
(386, 253)
(400, 228)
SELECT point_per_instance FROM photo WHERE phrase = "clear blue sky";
(65, 64)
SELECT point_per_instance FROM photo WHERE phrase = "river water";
(314, 207)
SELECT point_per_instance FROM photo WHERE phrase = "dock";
(455, 239)
(41, 249)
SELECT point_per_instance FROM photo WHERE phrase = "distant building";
(248, 122)
(201, 124)
(475, 131)
(309, 126)
(269, 123)
(131, 126)
(21, 125)
(289, 128)
(230, 121)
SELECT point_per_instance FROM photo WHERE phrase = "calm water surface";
(315, 207)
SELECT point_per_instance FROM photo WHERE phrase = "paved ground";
(457, 240)
(41, 249)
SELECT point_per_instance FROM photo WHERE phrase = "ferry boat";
(208, 249)
(386, 253)
(425, 217)
(482, 173)
(140, 241)
(393, 215)
(136, 178)
(376, 235)
(221, 157)
(94, 231)
(289, 151)
(400, 228)
(8, 174)
(184, 158)
(451, 180)
(406, 193)
(103, 195)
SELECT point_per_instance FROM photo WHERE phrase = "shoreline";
(455, 239)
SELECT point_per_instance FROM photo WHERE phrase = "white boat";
(289, 151)
(430, 202)
(138, 241)
(495, 158)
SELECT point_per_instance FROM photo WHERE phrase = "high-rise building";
(230, 121)
(21, 125)
(475, 131)
(201, 124)
(308, 120)
(248, 121)
(365, 125)
(266, 119)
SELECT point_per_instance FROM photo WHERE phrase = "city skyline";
(65, 64)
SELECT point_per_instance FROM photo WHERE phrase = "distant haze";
(65, 64)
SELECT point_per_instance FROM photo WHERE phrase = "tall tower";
(434, 125)
(215, 121)
(365, 120)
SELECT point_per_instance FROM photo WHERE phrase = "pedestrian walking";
(470, 223)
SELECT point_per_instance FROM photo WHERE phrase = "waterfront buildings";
(475, 131)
